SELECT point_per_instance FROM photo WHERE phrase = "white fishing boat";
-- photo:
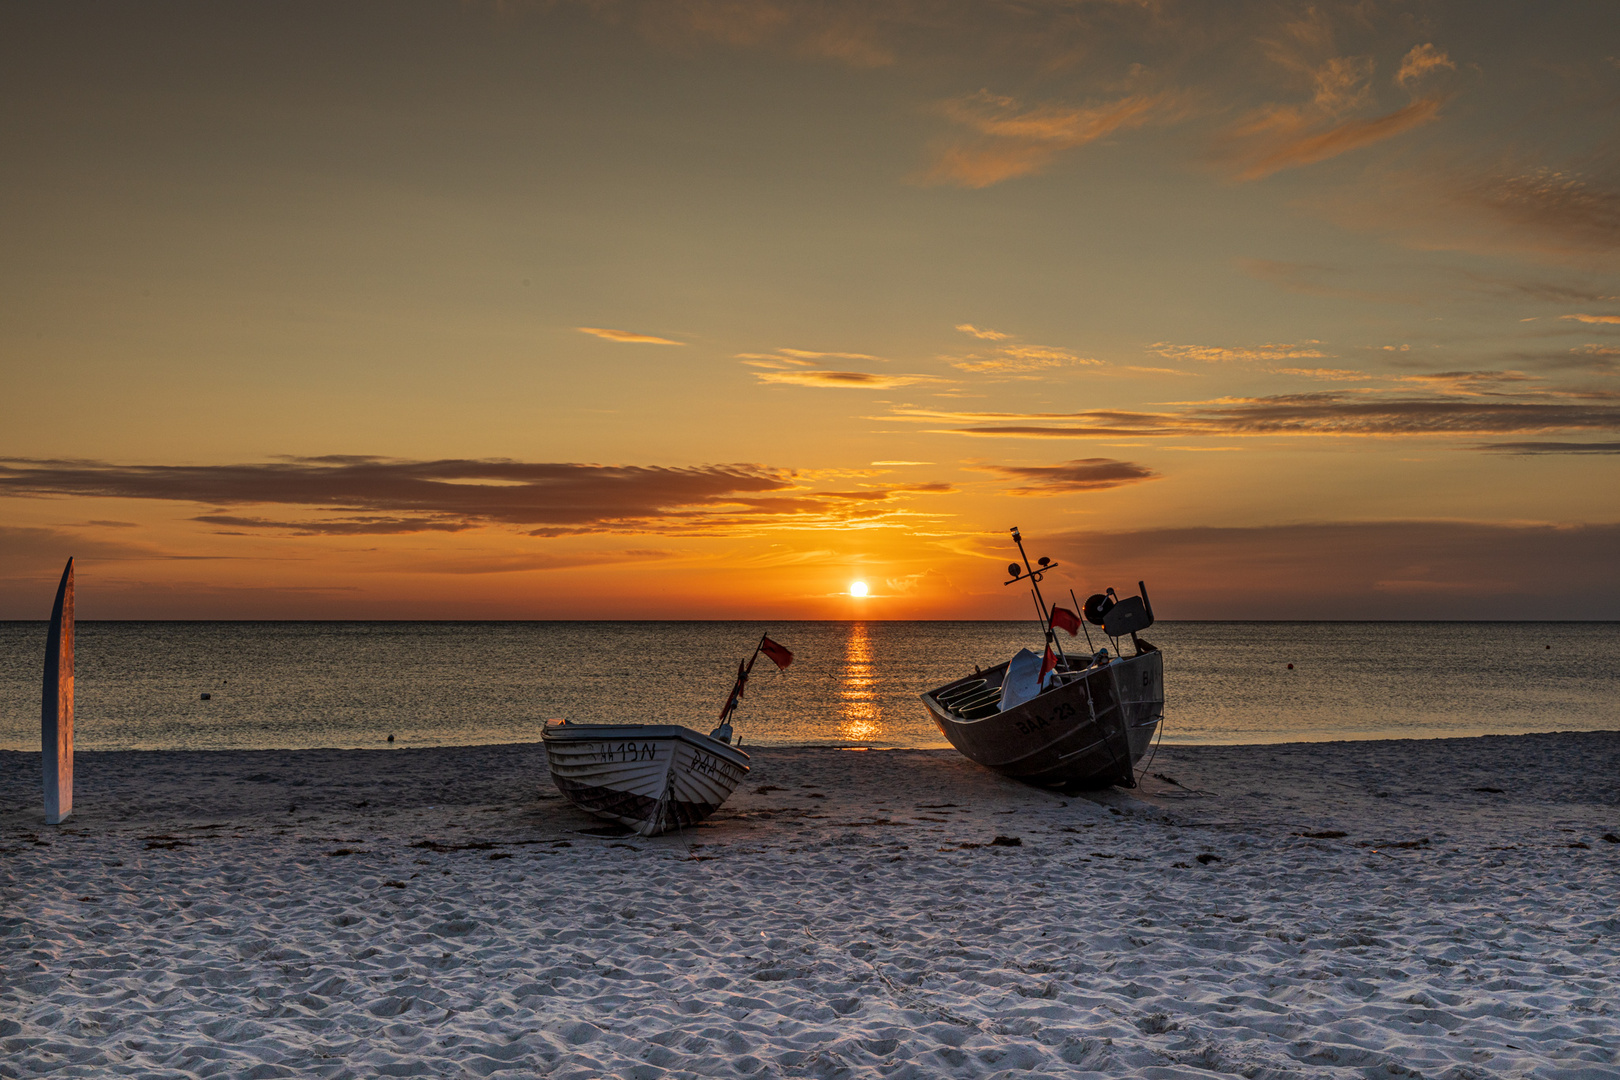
(653, 777)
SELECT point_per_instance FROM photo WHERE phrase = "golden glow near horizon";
(626, 310)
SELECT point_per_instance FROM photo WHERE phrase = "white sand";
(179, 927)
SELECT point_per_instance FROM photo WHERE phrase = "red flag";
(779, 655)
(1064, 619)
(1048, 664)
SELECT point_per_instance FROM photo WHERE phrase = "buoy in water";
(1290, 667)
(206, 697)
(390, 738)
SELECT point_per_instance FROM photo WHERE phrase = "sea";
(300, 685)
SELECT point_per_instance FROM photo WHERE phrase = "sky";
(711, 308)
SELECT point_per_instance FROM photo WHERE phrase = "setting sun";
(857, 588)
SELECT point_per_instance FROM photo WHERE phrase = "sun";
(857, 588)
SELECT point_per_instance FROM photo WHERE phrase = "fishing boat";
(1059, 720)
(652, 778)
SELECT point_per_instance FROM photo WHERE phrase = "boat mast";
(742, 681)
(1034, 577)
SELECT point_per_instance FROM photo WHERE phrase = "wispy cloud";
(1071, 477)
(806, 354)
(364, 525)
(1006, 138)
(1285, 139)
(344, 495)
(1324, 374)
(1213, 354)
(1470, 383)
(626, 336)
(1579, 448)
(25, 545)
(1602, 320)
(1012, 358)
(1019, 359)
(1422, 60)
(1573, 207)
(1322, 414)
(800, 358)
(1333, 119)
(844, 380)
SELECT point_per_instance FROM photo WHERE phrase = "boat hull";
(648, 777)
(1088, 732)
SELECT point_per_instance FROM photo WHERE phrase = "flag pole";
(742, 681)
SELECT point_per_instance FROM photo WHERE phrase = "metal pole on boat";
(1040, 602)
(742, 680)
(1080, 611)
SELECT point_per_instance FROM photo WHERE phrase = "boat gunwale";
(572, 732)
(931, 697)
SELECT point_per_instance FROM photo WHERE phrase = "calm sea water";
(323, 684)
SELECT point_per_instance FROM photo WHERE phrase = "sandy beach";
(1440, 908)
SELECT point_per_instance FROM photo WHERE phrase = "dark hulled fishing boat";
(1058, 720)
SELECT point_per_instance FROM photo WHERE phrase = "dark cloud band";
(375, 496)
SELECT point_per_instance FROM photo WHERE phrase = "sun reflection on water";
(860, 717)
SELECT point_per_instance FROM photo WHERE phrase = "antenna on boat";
(1033, 576)
(1079, 608)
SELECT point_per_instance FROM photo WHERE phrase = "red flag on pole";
(779, 655)
(1064, 619)
(1048, 664)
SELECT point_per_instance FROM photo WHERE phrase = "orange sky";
(708, 309)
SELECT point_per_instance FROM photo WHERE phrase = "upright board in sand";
(56, 705)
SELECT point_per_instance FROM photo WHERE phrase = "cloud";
(799, 358)
(806, 354)
(847, 380)
(1013, 359)
(51, 547)
(1579, 209)
(1083, 474)
(1551, 447)
(628, 336)
(1362, 570)
(1323, 414)
(1609, 320)
(355, 526)
(1324, 374)
(1469, 383)
(351, 495)
(1422, 60)
(1008, 139)
(1284, 139)
(1277, 135)
(1213, 354)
